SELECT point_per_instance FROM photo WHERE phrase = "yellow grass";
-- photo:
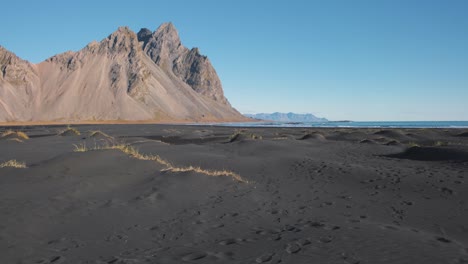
(99, 133)
(70, 129)
(413, 144)
(214, 173)
(280, 138)
(80, 148)
(440, 143)
(15, 139)
(18, 134)
(239, 133)
(13, 164)
(134, 153)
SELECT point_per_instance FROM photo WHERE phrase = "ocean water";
(355, 124)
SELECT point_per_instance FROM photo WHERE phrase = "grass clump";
(13, 164)
(413, 144)
(16, 140)
(215, 173)
(440, 143)
(70, 131)
(80, 148)
(10, 134)
(98, 133)
(134, 153)
(239, 135)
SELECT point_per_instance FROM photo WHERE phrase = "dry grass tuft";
(440, 143)
(13, 164)
(13, 134)
(134, 153)
(413, 144)
(97, 133)
(80, 148)
(215, 173)
(69, 131)
(239, 134)
(15, 139)
(280, 138)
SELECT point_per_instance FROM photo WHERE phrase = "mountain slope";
(287, 117)
(115, 79)
(18, 83)
(164, 47)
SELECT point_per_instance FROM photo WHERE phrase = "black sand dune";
(432, 154)
(394, 133)
(367, 141)
(393, 143)
(203, 194)
(318, 136)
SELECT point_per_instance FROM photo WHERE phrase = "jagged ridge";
(164, 47)
(149, 76)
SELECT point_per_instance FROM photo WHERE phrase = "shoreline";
(264, 124)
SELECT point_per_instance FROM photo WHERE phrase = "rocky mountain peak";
(165, 48)
(167, 29)
(144, 35)
(6, 56)
(162, 45)
(122, 40)
(13, 68)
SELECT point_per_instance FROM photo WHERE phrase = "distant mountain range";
(287, 117)
(126, 76)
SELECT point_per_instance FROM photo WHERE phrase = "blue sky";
(340, 59)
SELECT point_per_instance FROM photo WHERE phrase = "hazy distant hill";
(126, 76)
(287, 117)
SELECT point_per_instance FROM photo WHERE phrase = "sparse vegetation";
(435, 144)
(13, 164)
(413, 144)
(440, 143)
(134, 153)
(97, 133)
(80, 148)
(214, 173)
(15, 134)
(69, 131)
(16, 140)
(241, 133)
(280, 138)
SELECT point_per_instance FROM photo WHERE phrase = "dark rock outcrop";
(165, 48)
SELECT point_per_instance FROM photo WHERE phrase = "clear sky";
(339, 59)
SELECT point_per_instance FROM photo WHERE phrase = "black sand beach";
(252, 195)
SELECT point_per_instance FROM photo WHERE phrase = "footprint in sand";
(293, 248)
(443, 240)
(194, 256)
(229, 241)
(325, 239)
(303, 241)
(264, 258)
(57, 260)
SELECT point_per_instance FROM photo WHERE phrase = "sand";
(252, 195)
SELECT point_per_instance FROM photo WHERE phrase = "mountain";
(287, 117)
(126, 76)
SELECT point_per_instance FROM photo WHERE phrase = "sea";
(356, 124)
